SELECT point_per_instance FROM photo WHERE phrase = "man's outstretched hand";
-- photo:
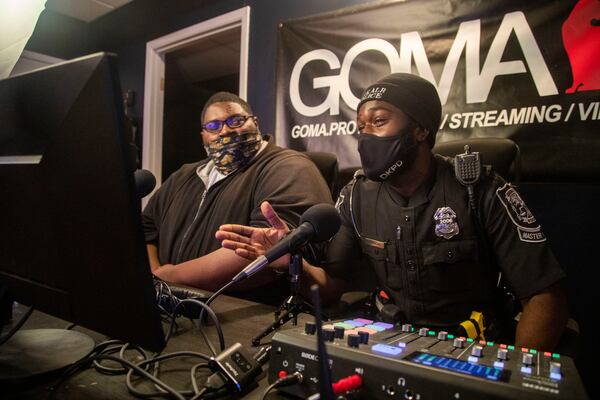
(252, 242)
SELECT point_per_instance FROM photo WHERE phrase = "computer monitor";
(71, 242)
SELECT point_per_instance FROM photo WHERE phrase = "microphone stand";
(292, 305)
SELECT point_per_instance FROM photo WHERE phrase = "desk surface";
(241, 320)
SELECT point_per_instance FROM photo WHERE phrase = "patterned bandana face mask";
(232, 152)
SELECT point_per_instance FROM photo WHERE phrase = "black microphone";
(317, 224)
(144, 182)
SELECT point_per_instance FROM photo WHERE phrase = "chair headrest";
(327, 164)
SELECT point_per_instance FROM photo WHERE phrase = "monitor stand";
(32, 353)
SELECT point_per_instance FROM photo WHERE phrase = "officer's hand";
(251, 242)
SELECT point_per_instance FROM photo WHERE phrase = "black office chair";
(501, 153)
(327, 164)
(345, 175)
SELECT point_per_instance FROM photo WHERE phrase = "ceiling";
(85, 10)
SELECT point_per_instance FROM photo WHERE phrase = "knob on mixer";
(555, 370)
(502, 354)
(353, 340)
(477, 351)
(328, 334)
(310, 328)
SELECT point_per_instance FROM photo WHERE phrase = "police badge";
(445, 222)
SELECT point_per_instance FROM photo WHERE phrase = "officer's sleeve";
(343, 255)
(518, 243)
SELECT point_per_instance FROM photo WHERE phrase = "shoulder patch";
(527, 227)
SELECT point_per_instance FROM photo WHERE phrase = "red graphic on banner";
(581, 37)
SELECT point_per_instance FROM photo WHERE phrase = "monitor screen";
(71, 241)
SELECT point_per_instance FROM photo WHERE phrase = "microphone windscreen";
(324, 219)
(144, 182)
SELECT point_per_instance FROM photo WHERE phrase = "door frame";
(156, 50)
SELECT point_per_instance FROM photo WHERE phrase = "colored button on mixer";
(344, 325)
(526, 370)
(384, 325)
(386, 349)
(376, 328)
(354, 323)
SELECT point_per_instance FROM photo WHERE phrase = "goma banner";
(526, 70)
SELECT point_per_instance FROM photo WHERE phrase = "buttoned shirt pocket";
(377, 253)
(451, 266)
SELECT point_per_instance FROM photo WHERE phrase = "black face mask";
(382, 157)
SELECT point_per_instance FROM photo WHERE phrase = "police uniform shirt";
(426, 251)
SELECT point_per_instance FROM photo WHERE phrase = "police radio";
(467, 168)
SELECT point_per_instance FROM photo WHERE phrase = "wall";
(126, 33)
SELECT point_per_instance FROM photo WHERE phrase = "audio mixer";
(404, 362)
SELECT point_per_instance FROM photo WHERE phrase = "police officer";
(406, 218)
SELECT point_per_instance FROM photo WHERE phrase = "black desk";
(241, 320)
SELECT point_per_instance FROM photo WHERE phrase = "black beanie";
(415, 96)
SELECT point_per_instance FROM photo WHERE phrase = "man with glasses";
(242, 170)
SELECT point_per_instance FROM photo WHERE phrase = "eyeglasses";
(235, 121)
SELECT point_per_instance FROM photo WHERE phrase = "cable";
(144, 373)
(166, 297)
(210, 312)
(218, 292)
(16, 327)
(135, 392)
(271, 387)
(263, 355)
(98, 355)
(103, 351)
(206, 340)
(122, 348)
(289, 380)
(201, 317)
(149, 367)
(197, 390)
